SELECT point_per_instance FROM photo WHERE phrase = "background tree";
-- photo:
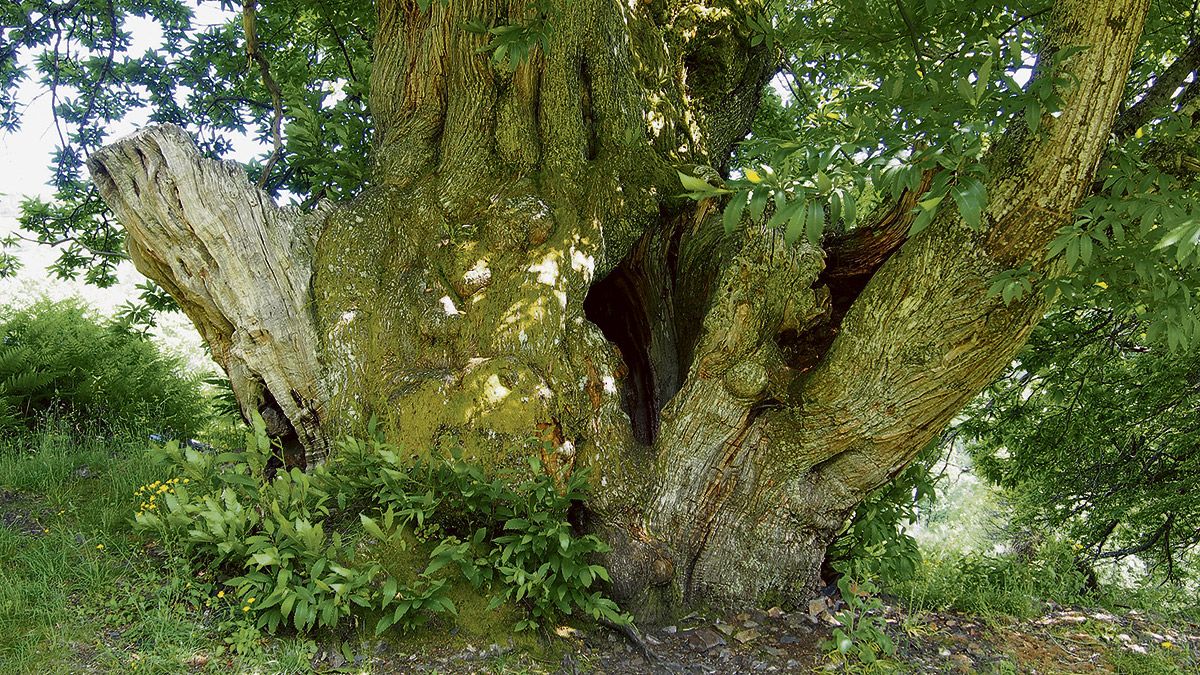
(565, 230)
(1093, 433)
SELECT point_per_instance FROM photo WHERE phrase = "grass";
(81, 591)
(988, 586)
(77, 587)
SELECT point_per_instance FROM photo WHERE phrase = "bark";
(521, 266)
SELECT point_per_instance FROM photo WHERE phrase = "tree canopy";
(1094, 434)
(870, 98)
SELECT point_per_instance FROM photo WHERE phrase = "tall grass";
(78, 589)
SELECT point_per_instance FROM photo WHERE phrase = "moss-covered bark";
(522, 267)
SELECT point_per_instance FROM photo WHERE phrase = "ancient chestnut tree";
(740, 260)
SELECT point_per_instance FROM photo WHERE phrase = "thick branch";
(925, 336)
(852, 258)
(249, 25)
(1146, 545)
(726, 74)
(1160, 93)
(238, 266)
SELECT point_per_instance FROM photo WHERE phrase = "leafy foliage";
(313, 549)
(199, 77)
(56, 360)
(877, 98)
(872, 98)
(1093, 434)
(860, 635)
(876, 541)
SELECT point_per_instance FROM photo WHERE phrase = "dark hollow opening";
(615, 305)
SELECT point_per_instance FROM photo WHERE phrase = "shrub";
(860, 633)
(374, 534)
(981, 584)
(57, 360)
(875, 540)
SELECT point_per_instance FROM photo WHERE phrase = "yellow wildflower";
(246, 608)
(220, 594)
(250, 601)
(99, 547)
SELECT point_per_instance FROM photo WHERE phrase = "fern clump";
(59, 361)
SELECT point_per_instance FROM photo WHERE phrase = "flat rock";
(744, 636)
(704, 639)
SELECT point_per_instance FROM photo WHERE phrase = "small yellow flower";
(1167, 644)
(99, 547)
(246, 608)
(220, 594)
(753, 176)
(250, 601)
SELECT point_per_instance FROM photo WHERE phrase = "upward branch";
(898, 371)
(250, 25)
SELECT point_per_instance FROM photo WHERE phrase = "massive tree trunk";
(523, 266)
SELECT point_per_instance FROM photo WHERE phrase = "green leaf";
(922, 221)
(814, 223)
(795, 225)
(758, 203)
(732, 216)
(931, 203)
(849, 209)
(971, 197)
(1033, 115)
(372, 527)
(698, 188)
(1085, 249)
(984, 78)
(823, 182)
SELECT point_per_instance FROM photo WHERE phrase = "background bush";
(58, 360)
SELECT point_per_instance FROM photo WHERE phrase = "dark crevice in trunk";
(585, 106)
(632, 306)
(614, 305)
(852, 259)
(288, 451)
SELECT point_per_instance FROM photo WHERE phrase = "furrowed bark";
(748, 511)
